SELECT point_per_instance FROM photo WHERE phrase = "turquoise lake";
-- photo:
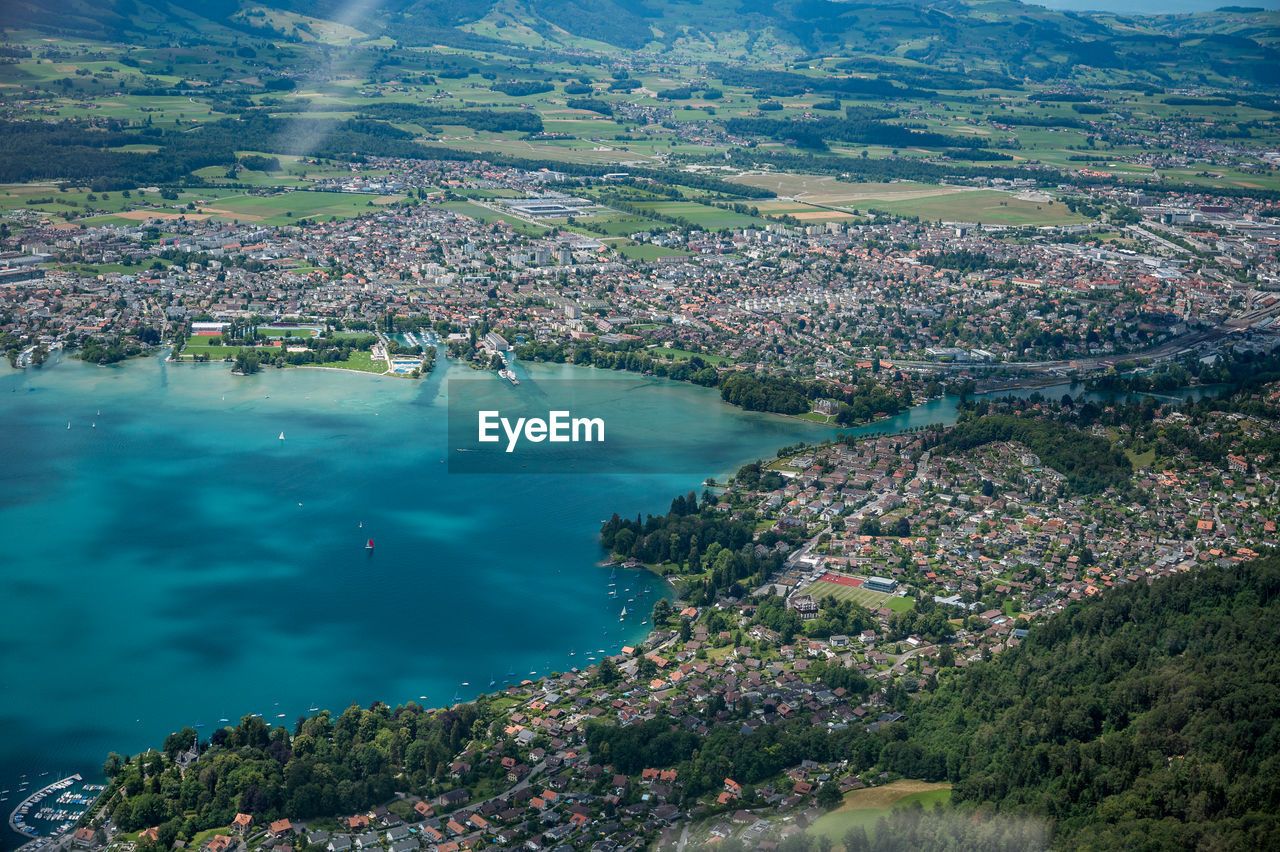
(171, 561)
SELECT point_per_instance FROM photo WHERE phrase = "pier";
(18, 819)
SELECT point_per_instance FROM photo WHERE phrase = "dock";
(18, 819)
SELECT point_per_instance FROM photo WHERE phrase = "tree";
(661, 611)
(608, 673)
(179, 741)
(829, 796)
(855, 839)
(114, 763)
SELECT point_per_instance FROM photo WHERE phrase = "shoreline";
(18, 824)
(669, 580)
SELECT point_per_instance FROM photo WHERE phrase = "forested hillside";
(995, 39)
(1147, 719)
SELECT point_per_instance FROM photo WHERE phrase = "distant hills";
(994, 35)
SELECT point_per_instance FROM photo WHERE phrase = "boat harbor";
(54, 809)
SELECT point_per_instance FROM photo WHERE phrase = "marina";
(34, 818)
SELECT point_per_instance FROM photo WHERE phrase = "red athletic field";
(842, 580)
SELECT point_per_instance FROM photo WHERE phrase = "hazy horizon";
(1148, 7)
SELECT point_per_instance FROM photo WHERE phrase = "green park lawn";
(360, 361)
(686, 354)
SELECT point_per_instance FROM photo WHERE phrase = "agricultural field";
(861, 808)
(827, 189)
(567, 151)
(78, 203)
(984, 206)
(283, 208)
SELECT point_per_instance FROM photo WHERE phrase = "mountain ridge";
(1018, 39)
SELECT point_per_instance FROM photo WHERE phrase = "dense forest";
(698, 540)
(964, 260)
(1147, 719)
(815, 132)
(787, 83)
(764, 393)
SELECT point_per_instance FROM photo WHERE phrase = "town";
(833, 302)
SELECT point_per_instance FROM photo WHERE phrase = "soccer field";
(841, 592)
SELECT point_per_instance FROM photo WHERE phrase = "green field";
(858, 594)
(901, 604)
(484, 214)
(686, 354)
(620, 225)
(984, 206)
(286, 207)
(646, 251)
(359, 360)
(864, 807)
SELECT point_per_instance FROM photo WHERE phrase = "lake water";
(170, 561)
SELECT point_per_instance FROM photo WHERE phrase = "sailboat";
(624, 614)
(281, 436)
(369, 545)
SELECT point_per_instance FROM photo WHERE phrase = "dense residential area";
(908, 307)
